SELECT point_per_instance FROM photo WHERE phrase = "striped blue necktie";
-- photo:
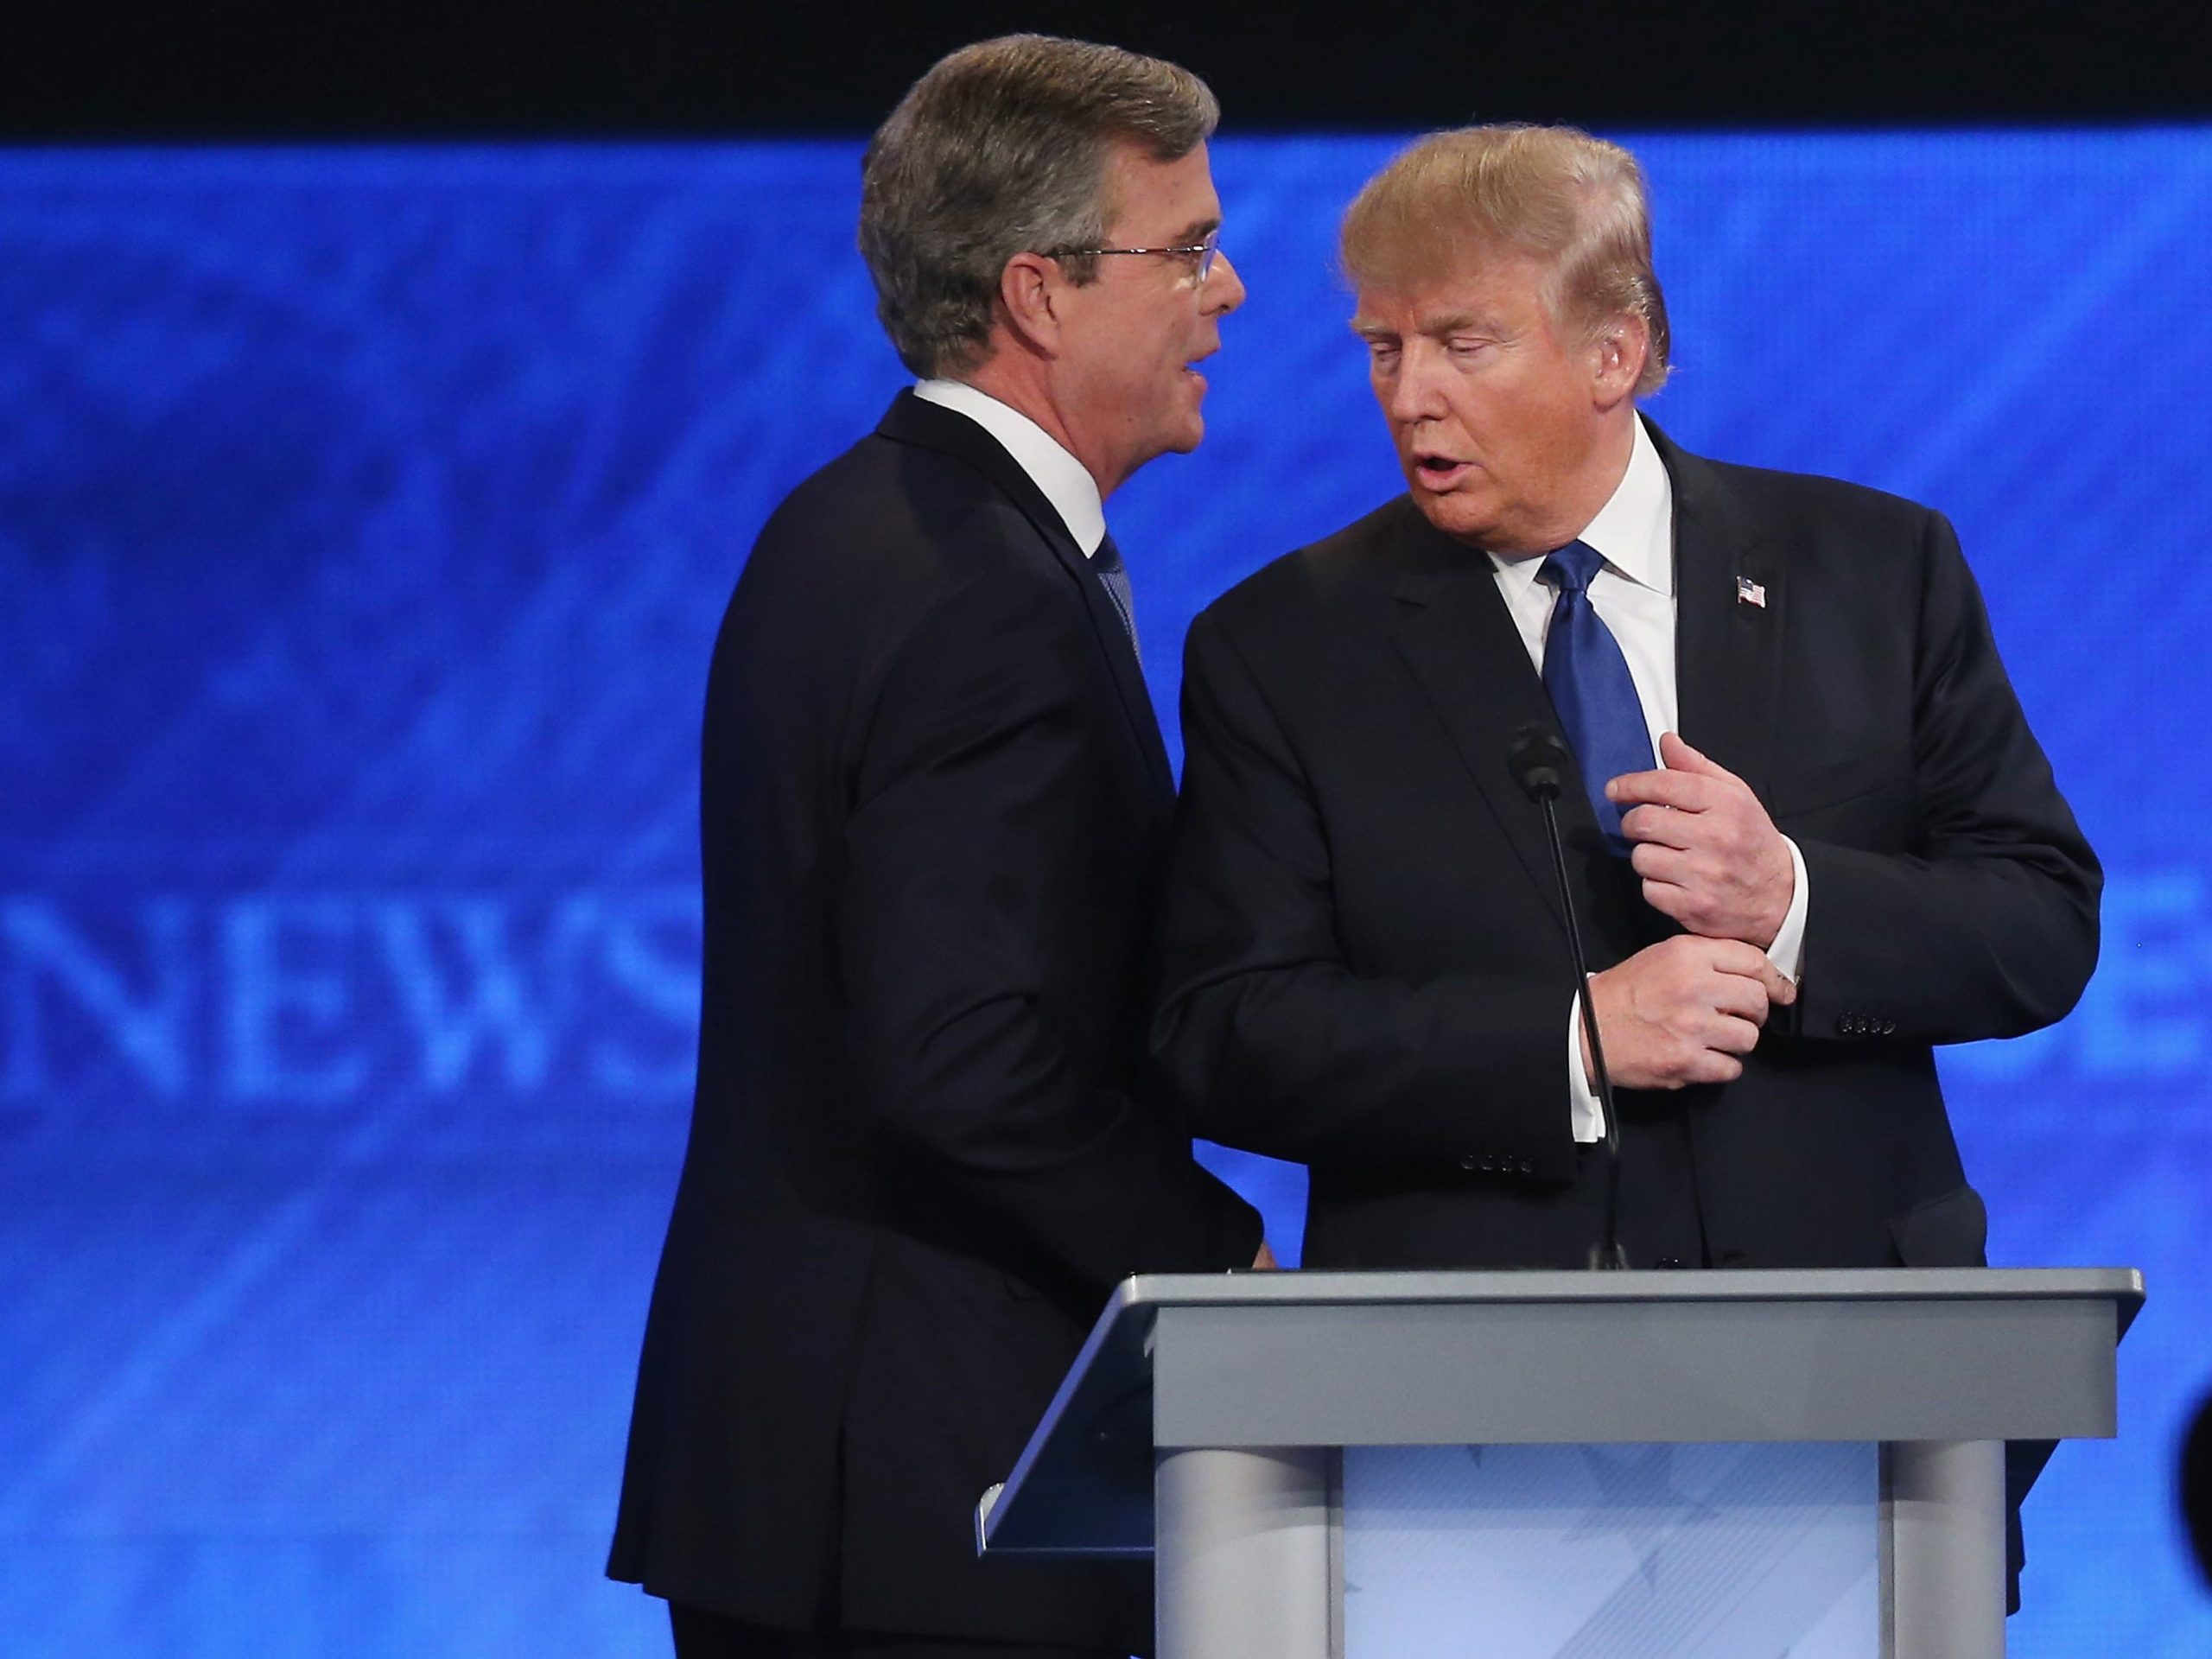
(1107, 561)
(1588, 679)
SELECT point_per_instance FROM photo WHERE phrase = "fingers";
(1657, 861)
(1732, 1036)
(1711, 1066)
(1724, 955)
(1686, 1010)
(1734, 959)
(1722, 872)
(1687, 792)
(1713, 1055)
(1716, 1061)
(1659, 826)
(1748, 962)
(1680, 900)
(1684, 779)
(1737, 997)
(1683, 902)
(1781, 989)
(1680, 757)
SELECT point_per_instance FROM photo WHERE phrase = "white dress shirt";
(1634, 593)
(1067, 484)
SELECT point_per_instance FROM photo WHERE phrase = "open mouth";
(1439, 472)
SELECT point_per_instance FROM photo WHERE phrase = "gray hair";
(1001, 148)
(1576, 203)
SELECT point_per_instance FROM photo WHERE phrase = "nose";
(1224, 289)
(1413, 390)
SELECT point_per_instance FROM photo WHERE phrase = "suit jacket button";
(1528, 1169)
(1490, 1165)
(1889, 1027)
(1669, 1262)
(1467, 1162)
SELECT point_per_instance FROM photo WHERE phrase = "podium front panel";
(1659, 1551)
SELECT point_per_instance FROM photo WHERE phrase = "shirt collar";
(1633, 531)
(1066, 483)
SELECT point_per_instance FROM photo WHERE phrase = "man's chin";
(1187, 437)
(1453, 514)
(1180, 441)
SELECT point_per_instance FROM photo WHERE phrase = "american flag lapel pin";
(1749, 593)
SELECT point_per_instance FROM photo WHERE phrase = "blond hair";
(1576, 203)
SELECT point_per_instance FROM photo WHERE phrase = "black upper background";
(106, 71)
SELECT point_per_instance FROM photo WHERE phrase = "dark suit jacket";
(925, 1143)
(1366, 966)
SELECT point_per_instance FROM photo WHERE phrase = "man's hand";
(1265, 1260)
(1682, 1010)
(1709, 854)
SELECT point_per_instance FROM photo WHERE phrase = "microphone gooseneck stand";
(1538, 761)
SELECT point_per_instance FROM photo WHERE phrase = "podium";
(1729, 1464)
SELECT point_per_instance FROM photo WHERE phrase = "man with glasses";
(925, 1144)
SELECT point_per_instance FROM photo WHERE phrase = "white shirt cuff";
(1787, 953)
(1587, 1112)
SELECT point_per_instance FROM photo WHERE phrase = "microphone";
(1538, 761)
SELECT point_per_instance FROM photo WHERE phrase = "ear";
(1619, 353)
(1032, 295)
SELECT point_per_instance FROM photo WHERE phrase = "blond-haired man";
(1812, 836)
(925, 1143)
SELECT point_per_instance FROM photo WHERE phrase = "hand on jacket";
(1683, 1011)
(1709, 854)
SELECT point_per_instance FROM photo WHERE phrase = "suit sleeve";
(971, 863)
(1281, 1046)
(1986, 926)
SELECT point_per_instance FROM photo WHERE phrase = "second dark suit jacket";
(1367, 969)
(926, 1141)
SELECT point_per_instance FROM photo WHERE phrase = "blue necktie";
(1107, 561)
(1589, 681)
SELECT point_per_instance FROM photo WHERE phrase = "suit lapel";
(1728, 646)
(1452, 629)
(913, 420)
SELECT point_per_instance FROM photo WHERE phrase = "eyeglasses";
(1201, 254)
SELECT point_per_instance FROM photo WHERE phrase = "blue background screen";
(365, 515)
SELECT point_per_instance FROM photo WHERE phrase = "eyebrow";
(1197, 231)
